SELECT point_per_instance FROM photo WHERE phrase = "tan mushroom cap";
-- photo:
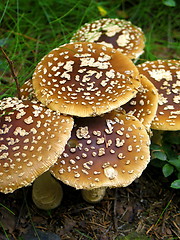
(106, 151)
(27, 91)
(165, 75)
(117, 33)
(31, 139)
(144, 105)
(85, 79)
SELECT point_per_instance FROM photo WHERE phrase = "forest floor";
(147, 209)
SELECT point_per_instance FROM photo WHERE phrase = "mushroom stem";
(12, 72)
(47, 192)
(94, 195)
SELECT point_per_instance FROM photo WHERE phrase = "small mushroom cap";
(119, 34)
(144, 105)
(31, 139)
(165, 75)
(104, 151)
(85, 79)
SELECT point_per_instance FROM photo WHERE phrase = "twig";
(115, 212)
(20, 34)
(175, 233)
(80, 209)
(12, 72)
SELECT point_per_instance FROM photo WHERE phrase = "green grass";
(30, 29)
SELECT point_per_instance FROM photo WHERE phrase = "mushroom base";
(47, 192)
(93, 195)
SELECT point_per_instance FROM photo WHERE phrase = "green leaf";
(176, 184)
(167, 170)
(157, 163)
(169, 151)
(175, 163)
(154, 146)
(160, 155)
(169, 3)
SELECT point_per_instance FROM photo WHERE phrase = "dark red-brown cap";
(117, 33)
(105, 151)
(165, 75)
(85, 79)
(31, 139)
(144, 105)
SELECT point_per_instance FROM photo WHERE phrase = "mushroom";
(47, 193)
(165, 75)
(144, 104)
(31, 139)
(85, 79)
(117, 33)
(104, 151)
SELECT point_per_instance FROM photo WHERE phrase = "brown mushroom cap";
(85, 79)
(104, 151)
(165, 75)
(31, 139)
(119, 34)
(144, 105)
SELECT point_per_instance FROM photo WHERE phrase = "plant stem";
(10, 62)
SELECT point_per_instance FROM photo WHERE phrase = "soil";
(147, 209)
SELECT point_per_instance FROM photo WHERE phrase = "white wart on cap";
(104, 151)
(117, 33)
(144, 105)
(27, 91)
(165, 75)
(31, 139)
(85, 79)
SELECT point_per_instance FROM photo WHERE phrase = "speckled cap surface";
(27, 91)
(105, 151)
(144, 105)
(85, 79)
(113, 32)
(165, 75)
(31, 139)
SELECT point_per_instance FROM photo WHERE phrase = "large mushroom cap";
(165, 75)
(104, 151)
(85, 79)
(144, 105)
(31, 139)
(117, 33)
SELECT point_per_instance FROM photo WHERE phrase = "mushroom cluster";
(86, 114)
